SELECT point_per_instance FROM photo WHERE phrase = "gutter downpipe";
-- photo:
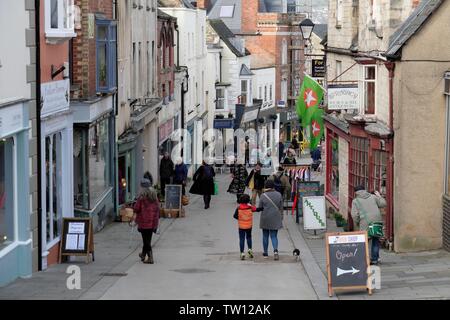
(116, 114)
(391, 68)
(37, 9)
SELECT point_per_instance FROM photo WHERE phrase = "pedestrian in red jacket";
(146, 212)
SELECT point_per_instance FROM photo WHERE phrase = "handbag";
(375, 229)
(216, 189)
(268, 198)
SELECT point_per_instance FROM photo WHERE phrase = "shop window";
(92, 163)
(359, 163)
(126, 181)
(106, 55)
(367, 88)
(7, 207)
(53, 182)
(59, 20)
(99, 159)
(333, 172)
(380, 171)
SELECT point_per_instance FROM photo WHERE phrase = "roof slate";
(226, 35)
(412, 25)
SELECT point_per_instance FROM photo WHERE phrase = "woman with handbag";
(146, 212)
(204, 183)
(366, 216)
(271, 208)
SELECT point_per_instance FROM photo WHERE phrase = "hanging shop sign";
(343, 97)
(347, 261)
(318, 68)
(223, 123)
(250, 116)
(11, 120)
(55, 96)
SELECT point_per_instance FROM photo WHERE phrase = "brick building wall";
(84, 47)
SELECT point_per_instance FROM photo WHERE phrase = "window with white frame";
(244, 91)
(265, 93)
(53, 183)
(339, 13)
(7, 188)
(260, 92)
(271, 93)
(367, 87)
(338, 68)
(220, 99)
(59, 20)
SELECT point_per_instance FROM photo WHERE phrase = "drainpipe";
(38, 128)
(391, 68)
(178, 44)
(220, 66)
(114, 120)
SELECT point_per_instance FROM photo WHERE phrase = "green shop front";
(93, 140)
(15, 235)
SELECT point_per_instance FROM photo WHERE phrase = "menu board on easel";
(347, 261)
(77, 238)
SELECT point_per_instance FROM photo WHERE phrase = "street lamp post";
(306, 28)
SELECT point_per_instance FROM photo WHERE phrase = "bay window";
(7, 207)
(106, 55)
(59, 20)
(367, 86)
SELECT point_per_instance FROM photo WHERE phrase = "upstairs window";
(367, 86)
(339, 13)
(106, 55)
(59, 20)
(244, 91)
(220, 98)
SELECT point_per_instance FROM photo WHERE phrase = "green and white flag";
(317, 128)
(309, 99)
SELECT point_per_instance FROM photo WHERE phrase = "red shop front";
(370, 164)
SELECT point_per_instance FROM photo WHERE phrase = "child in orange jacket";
(244, 215)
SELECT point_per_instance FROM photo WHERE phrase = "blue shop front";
(15, 235)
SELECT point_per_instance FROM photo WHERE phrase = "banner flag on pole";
(317, 128)
(309, 99)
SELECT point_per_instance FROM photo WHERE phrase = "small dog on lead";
(296, 254)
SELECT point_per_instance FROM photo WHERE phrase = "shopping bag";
(216, 189)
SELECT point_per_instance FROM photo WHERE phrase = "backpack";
(278, 185)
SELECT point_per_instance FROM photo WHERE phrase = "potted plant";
(340, 221)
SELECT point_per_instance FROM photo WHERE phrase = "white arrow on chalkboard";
(340, 272)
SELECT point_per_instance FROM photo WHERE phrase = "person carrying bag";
(367, 217)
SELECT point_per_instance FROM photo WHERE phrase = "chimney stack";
(203, 4)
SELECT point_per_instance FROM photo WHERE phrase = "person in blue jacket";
(181, 173)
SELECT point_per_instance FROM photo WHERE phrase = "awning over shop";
(223, 123)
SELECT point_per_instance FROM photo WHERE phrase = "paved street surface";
(197, 257)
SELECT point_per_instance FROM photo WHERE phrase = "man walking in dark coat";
(166, 172)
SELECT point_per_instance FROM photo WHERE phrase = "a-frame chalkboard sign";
(77, 238)
(347, 261)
